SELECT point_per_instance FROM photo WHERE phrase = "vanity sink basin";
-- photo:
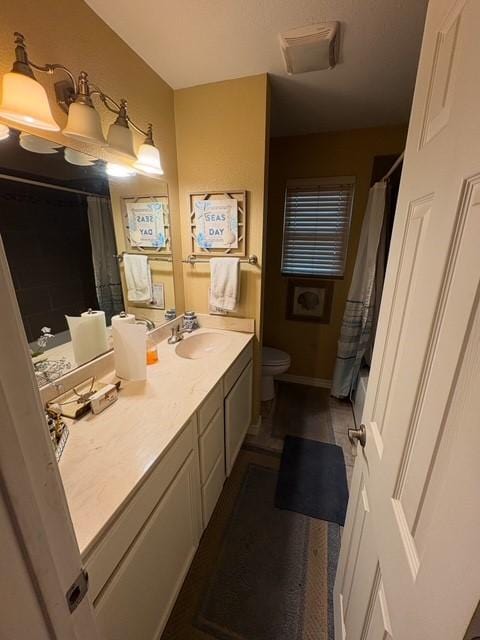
(201, 345)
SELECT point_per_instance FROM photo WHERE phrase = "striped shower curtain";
(356, 328)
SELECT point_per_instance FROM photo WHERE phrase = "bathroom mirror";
(67, 220)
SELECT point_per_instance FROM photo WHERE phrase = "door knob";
(359, 435)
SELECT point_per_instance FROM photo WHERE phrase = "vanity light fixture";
(25, 101)
(119, 170)
(149, 156)
(34, 144)
(4, 132)
(83, 122)
(120, 137)
(78, 158)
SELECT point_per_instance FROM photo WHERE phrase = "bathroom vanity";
(142, 479)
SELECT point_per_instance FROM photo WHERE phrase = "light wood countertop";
(108, 455)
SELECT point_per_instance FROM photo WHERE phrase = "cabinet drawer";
(209, 407)
(213, 488)
(105, 556)
(236, 369)
(138, 598)
(212, 444)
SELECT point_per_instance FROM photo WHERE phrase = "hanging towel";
(138, 277)
(359, 309)
(224, 283)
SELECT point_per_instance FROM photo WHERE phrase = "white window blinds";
(316, 226)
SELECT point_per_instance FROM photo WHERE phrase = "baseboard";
(313, 382)
(254, 428)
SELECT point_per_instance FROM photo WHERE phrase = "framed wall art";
(218, 222)
(309, 300)
(146, 221)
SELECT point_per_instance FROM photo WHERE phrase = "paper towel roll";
(89, 335)
(129, 349)
(123, 318)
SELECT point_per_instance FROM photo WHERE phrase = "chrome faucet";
(146, 321)
(177, 334)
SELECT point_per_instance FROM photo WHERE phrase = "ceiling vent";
(310, 48)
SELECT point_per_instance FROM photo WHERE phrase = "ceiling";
(192, 42)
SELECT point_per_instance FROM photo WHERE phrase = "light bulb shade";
(84, 124)
(120, 140)
(25, 101)
(149, 160)
(4, 131)
(35, 144)
(119, 170)
(77, 157)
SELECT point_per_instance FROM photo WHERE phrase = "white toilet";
(274, 362)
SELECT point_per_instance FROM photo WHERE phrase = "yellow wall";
(222, 132)
(348, 153)
(72, 34)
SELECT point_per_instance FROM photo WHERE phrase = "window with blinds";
(316, 226)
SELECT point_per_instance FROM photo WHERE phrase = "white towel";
(138, 277)
(224, 283)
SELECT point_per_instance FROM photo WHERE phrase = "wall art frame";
(198, 247)
(132, 245)
(309, 300)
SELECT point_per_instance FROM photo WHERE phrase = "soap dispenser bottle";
(152, 351)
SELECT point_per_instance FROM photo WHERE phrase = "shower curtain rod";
(393, 167)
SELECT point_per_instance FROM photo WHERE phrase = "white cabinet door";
(211, 445)
(212, 463)
(238, 413)
(137, 601)
(213, 488)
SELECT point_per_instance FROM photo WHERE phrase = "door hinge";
(77, 591)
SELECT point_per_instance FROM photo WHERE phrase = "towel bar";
(119, 257)
(192, 259)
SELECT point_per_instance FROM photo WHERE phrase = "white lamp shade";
(77, 157)
(35, 144)
(149, 160)
(4, 131)
(84, 124)
(120, 140)
(119, 170)
(25, 101)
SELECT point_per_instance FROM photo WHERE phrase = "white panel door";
(36, 507)
(410, 556)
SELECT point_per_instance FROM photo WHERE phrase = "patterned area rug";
(260, 573)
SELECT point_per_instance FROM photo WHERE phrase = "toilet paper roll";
(127, 318)
(89, 335)
(129, 349)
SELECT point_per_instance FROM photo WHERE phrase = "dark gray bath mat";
(312, 480)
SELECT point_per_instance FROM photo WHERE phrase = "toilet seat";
(274, 357)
